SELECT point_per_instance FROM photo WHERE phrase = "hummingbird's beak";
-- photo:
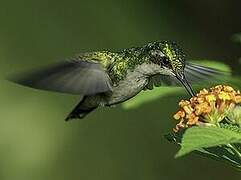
(181, 77)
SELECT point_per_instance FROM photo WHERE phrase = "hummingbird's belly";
(127, 89)
(134, 82)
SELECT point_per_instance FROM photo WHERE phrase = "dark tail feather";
(80, 111)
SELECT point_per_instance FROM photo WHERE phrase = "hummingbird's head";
(171, 58)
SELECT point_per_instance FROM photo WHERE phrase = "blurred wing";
(73, 77)
(194, 74)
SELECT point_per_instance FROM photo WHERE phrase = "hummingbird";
(106, 78)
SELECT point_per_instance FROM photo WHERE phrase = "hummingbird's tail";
(80, 111)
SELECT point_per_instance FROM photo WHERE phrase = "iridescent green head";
(171, 58)
(167, 54)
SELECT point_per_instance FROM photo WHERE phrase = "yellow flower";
(179, 114)
(203, 92)
(237, 99)
(224, 96)
(206, 106)
(211, 98)
(180, 125)
(217, 89)
(228, 89)
(192, 119)
(200, 100)
(202, 108)
(188, 109)
(183, 103)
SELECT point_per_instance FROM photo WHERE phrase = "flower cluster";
(208, 107)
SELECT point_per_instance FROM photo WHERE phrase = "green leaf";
(231, 127)
(223, 154)
(196, 138)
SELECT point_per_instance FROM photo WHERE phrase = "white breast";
(134, 82)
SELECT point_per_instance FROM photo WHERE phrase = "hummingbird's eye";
(156, 57)
(165, 61)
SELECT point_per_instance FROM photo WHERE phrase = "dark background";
(112, 143)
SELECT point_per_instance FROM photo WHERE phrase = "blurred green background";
(111, 143)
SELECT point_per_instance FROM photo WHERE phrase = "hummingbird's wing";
(73, 77)
(194, 74)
